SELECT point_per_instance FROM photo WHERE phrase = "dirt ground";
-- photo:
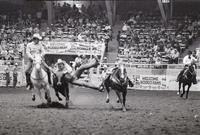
(149, 113)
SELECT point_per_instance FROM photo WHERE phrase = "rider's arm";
(185, 60)
(42, 50)
(52, 70)
(28, 52)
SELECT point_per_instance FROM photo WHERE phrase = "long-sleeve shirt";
(33, 49)
(188, 61)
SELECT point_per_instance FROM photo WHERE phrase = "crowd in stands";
(85, 24)
(145, 39)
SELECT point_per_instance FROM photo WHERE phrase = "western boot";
(49, 76)
(28, 81)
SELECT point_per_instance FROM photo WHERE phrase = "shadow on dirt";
(51, 105)
(80, 108)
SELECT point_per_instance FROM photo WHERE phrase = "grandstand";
(138, 32)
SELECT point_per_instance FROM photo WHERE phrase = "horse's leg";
(188, 90)
(120, 99)
(80, 70)
(179, 88)
(57, 94)
(40, 95)
(108, 93)
(47, 93)
(183, 90)
(124, 99)
(66, 90)
(33, 94)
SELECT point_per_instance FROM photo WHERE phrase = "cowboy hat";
(59, 61)
(37, 35)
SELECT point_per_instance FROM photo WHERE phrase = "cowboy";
(63, 67)
(77, 62)
(7, 74)
(34, 47)
(188, 60)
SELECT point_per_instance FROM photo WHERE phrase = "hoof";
(124, 109)
(181, 95)
(33, 98)
(107, 101)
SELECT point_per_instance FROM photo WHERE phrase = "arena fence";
(144, 76)
(20, 77)
(151, 77)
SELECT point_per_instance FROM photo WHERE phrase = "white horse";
(39, 79)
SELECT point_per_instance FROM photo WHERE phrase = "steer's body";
(60, 85)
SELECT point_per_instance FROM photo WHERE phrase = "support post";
(50, 12)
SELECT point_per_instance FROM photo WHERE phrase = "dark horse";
(118, 81)
(186, 79)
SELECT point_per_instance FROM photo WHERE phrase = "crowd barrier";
(20, 77)
(152, 77)
(144, 76)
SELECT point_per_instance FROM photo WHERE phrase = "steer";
(60, 85)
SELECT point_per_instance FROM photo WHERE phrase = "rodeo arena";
(106, 67)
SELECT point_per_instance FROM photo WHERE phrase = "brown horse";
(118, 81)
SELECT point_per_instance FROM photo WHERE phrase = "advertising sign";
(75, 48)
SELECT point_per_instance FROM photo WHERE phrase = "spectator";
(15, 75)
(174, 56)
(7, 74)
(77, 62)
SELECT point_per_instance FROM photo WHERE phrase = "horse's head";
(122, 72)
(37, 61)
(188, 74)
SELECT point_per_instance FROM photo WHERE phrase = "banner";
(74, 48)
(149, 82)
